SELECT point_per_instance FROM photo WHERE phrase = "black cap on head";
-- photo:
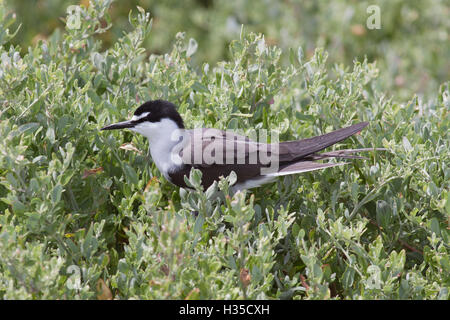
(157, 110)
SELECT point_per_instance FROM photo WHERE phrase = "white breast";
(161, 141)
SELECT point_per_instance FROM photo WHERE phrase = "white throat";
(161, 141)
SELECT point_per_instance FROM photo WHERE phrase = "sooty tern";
(175, 150)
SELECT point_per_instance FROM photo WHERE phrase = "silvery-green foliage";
(83, 210)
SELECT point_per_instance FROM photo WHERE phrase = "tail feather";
(343, 154)
(303, 166)
(293, 150)
(300, 156)
(308, 163)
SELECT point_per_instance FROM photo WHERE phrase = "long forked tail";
(303, 166)
(294, 150)
(300, 156)
(308, 163)
(343, 154)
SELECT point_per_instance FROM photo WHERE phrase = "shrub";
(84, 215)
(411, 45)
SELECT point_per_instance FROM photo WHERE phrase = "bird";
(175, 150)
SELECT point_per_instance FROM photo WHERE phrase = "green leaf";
(28, 127)
(434, 226)
(383, 214)
(300, 55)
(199, 224)
(348, 277)
(130, 174)
(56, 193)
(192, 47)
(406, 144)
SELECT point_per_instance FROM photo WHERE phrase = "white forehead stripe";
(142, 115)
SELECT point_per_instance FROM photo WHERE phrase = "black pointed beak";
(119, 125)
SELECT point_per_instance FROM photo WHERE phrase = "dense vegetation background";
(84, 215)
